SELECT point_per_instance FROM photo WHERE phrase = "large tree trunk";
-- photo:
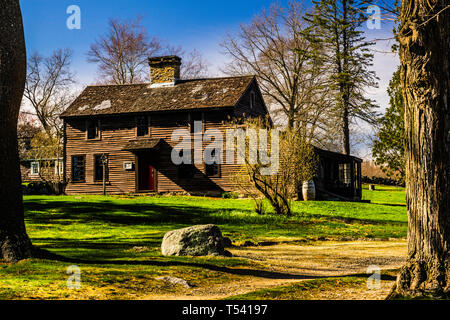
(424, 52)
(14, 242)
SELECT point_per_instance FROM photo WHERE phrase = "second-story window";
(196, 123)
(142, 126)
(93, 129)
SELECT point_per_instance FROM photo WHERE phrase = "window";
(196, 122)
(142, 126)
(35, 169)
(93, 129)
(78, 168)
(345, 173)
(213, 169)
(185, 171)
(100, 160)
(252, 100)
(59, 168)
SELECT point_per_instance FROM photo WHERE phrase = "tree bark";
(14, 242)
(425, 45)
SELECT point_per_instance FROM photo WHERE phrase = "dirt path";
(288, 264)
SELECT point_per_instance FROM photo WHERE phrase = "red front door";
(146, 175)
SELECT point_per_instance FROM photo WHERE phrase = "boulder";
(227, 243)
(178, 281)
(201, 240)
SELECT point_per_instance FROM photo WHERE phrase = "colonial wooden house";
(129, 128)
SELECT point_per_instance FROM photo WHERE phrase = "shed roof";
(137, 98)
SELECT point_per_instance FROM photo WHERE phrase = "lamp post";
(104, 159)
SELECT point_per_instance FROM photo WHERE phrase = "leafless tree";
(193, 66)
(273, 47)
(296, 164)
(122, 53)
(48, 86)
(27, 128)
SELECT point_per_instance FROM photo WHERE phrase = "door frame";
(137, 178)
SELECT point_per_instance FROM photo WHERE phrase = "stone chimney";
(164, 71)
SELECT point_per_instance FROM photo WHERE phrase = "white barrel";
(309, 191)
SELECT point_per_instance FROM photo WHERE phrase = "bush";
(43, 188)
(230, 195)
(384, 181)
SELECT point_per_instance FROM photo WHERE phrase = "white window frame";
(59, 165)
(38, 168)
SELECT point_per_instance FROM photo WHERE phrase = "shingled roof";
(137, 98)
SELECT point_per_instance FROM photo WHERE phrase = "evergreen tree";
(336, 27)
(389, 147)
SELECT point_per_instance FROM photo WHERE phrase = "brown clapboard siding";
(118, 127)
(117, 131)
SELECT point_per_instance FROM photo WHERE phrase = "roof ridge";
(181, 80)
(117, 85)
(218, 78)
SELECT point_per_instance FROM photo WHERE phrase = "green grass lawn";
(98, 234)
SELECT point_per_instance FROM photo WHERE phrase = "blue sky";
(191, 24)
(198, 24)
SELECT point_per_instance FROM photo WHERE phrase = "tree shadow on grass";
(391, 204)
(350, 220)
(44, 254)
(107, 211)
(141, 214)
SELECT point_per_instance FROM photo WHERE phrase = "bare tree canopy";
(14, 242)
(273, 47)
(27, 128)
(122, 54)
(193, 66)
(47, 88)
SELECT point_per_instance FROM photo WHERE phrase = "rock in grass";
(201, 240)
(227, 243)
(174, 280)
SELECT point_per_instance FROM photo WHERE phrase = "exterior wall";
(50, 175)
(116, 133)
(243, 108)
(25, 172)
